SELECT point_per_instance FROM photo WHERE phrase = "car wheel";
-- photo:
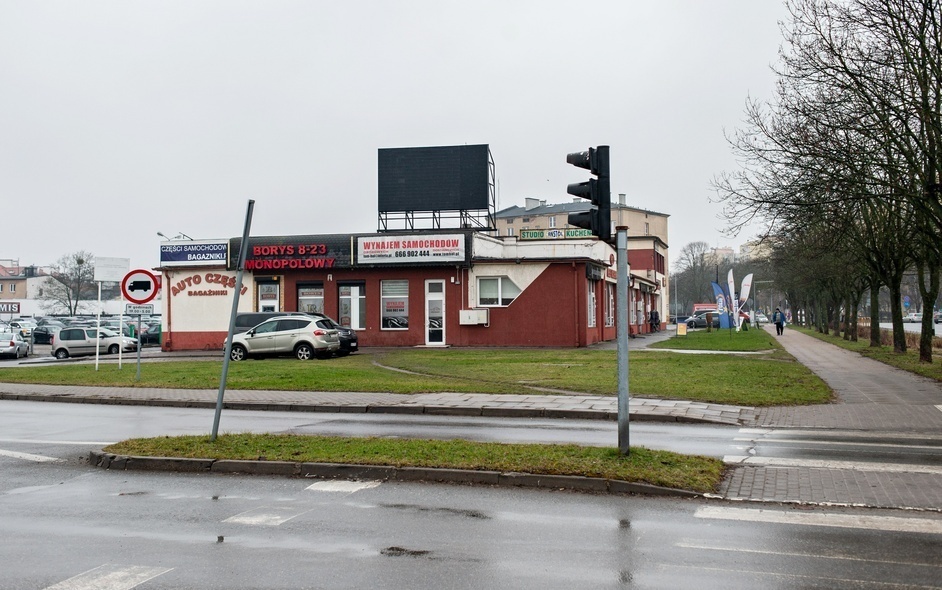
(113, 349)
(691, 325)
(304, 352)
(237, 353)
(62, 354)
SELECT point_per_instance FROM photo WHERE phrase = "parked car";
(13, 344)
(301, 335)
(348, 337)
(23, 326)
(249, 319)
(912, 318)
(698, 320)
(151, 335)
(84, 341)
(44, 334)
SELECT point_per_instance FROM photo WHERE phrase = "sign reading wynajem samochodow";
(411, 248)
(194, 252)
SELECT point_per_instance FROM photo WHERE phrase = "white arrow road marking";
(28, 456)
(831, 519)
(828, 464)
(339, 485)
(267, 516)
(111, 577)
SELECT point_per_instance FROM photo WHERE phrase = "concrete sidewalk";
(872, 398)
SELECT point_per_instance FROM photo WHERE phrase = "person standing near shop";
(778, 318)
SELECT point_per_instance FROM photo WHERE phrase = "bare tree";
(71, 283)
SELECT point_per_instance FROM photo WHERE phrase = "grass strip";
(662, 468)
(747, 380)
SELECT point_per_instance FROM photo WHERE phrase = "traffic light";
(598, 219)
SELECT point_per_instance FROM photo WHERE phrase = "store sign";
(193, 253)
(10, 307)
(293, 256)
(554, 234)
(211, 284)
(410, 249)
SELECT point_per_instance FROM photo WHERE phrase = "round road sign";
(139, 286)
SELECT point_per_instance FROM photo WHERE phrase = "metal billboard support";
(621, 318)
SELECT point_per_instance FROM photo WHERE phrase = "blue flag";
(722, 304)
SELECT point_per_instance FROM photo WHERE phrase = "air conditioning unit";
(473, 317)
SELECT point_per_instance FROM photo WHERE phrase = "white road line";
(808, 441)
(828, 519)
(266, 516)
(689, 545)
(340, 485)
(939, 408)
(830, 580)
(829, 464)
(57, 442)
(111, 577)
(28, 456)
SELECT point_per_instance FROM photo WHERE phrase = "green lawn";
(770, 377)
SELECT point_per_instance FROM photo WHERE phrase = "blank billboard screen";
(445, 178)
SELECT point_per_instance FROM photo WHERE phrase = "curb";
(382, 472)
(482, 411)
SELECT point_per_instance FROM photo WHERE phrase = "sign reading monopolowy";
(411, 248)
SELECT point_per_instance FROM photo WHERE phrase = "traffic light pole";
(621, 328)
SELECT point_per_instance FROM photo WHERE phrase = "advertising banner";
(436, 248)
(194, 253)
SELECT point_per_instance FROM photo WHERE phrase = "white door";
(434, 313)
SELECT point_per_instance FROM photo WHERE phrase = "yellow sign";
(681, 329)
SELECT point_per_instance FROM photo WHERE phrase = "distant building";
(647, 246)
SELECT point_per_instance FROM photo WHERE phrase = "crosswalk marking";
(267, 515)
(829, 464)
(28, 456)
(110, 577)
(340, 485)
(828, 519)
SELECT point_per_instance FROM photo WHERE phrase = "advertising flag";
(722, 304)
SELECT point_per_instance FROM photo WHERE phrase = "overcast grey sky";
(121, 119)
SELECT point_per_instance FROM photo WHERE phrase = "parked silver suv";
(304, 337)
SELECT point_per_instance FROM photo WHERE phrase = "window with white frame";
(591, 301)
(496, 291)
(394, 299)
(352, 305)
(610, 292)
(552, 221)
(12, 287)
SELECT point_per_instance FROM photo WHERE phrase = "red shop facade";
(425, 288)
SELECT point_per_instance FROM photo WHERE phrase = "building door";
(269, 297)
(434, 313)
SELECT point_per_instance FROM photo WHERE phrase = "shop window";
(394, 299)
(591, 301)
(311, 298)
(353, 306)
(496, 291)
(610, 292)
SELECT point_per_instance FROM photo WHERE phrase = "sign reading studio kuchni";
(407, 249)
(193, 253)
(554, 234)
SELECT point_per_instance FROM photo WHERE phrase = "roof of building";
(545, 208)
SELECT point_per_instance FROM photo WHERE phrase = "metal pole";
(622, 332)
(243, 251)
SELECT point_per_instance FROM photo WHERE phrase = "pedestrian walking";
(778, 318)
